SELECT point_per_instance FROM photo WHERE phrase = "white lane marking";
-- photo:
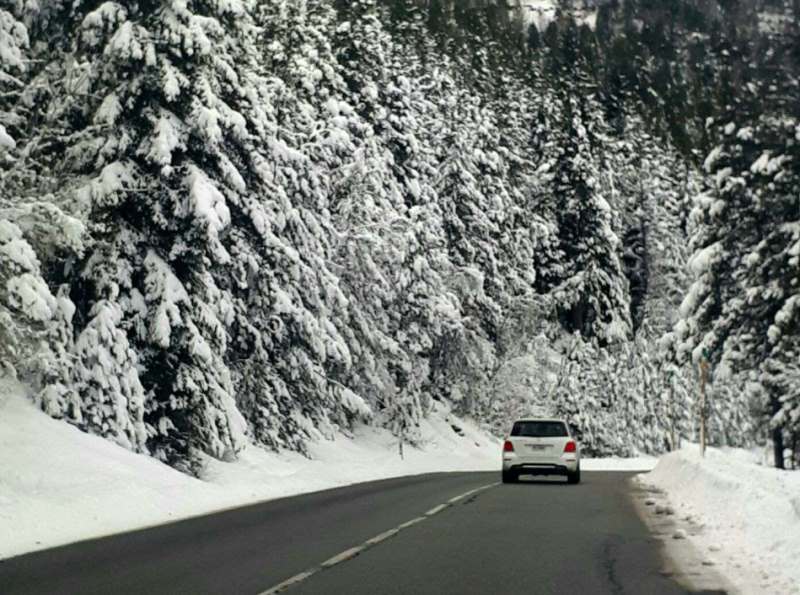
(468, 494)
(298, 578)
(345, 555)
(408, 524)
(351, 553)
(382, 537)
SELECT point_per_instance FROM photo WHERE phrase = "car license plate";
(538, 446)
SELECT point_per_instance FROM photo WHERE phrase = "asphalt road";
(533, 537)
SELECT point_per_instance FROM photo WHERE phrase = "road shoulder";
(683, 562)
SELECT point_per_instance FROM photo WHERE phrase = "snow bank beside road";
(616, 464)
(59, 485)
(748, 516)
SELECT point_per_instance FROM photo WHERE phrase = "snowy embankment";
(59, 485)
(747, 516)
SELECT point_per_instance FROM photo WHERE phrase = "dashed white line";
(468, 494)
(345, 555)
(289, 582)
(408, 524)
(436, 510)
(382, 537)
(351, 553)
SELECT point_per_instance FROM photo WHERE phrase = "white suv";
(541, 447)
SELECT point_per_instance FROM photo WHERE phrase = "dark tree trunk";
(777, 445)
(777, 437)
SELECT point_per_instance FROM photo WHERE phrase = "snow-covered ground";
(744, 518)
(643, 463)
(59, 485)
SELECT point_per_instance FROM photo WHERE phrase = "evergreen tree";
(161, 135)
(107, 380)
(26, 303)
(225, 221)
(594, 294)
(743, 296)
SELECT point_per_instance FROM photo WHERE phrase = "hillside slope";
(234, 223)
(59, 485)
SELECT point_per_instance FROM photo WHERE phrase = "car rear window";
(539, 429)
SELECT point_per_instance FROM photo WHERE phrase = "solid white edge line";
(355, 551)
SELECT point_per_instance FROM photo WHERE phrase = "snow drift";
(749, 514)
(59, 485)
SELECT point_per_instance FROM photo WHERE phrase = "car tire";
(574, 477)
(510, 477)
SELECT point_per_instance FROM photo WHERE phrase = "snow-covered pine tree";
(311, 348)
(107, 380)
(16, 255)
(39, 233)
(26, 303)
(593, 291)
(577, 399)
(160, 125)
(594, 294)
(742, 298)
(767, 331)
(268, 190)
(14, 45)
(371, 215)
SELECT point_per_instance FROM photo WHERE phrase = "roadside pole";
(673, 446)
(704, 366)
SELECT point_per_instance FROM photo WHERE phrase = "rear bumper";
(567, 463)
(531, 469)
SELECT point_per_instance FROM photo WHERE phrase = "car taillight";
(508, 446)
(570, 446)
